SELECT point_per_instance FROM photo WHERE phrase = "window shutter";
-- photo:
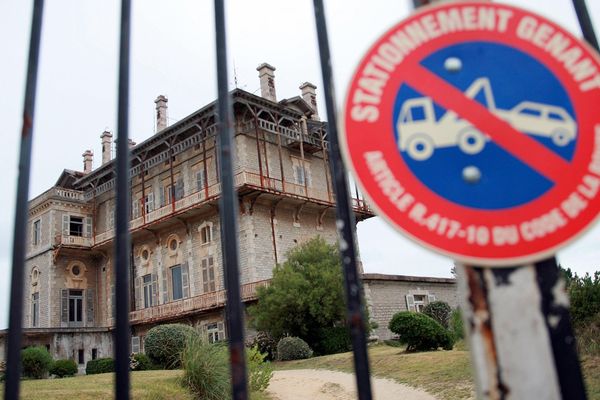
(211, 274)
(205, 275)
(179, 189)
(162, 196)
(221, 328)
(164, 286)
(64, 306)
(138, 294)
(88, 227)
(200, 181)
(185, 280)
(155, 289)
(65, 228)
(430, 298)
(135, 344)
(410, 302)
(135, 208)
(150, 202)
(89, 301)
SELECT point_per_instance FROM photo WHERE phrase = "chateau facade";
(285, 196)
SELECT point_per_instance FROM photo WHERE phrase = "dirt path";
(302, 384)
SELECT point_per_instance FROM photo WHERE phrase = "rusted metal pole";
(519, 331)
(15, 324)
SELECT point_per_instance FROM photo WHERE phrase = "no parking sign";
(474, 128)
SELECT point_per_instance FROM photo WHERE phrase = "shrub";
(206, 369)
(100, 366)
(36, 362)
(439, 311)
(140, 362)
(335, 339)
(260, 371)
(165, 343)
(420, 332)
(293, 348)
(266, 344)
(588, 336)
(456, 324)
(62, 368)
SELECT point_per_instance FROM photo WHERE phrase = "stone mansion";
(285, 196)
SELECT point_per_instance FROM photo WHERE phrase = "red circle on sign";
(511, 236)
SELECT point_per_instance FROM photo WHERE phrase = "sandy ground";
(302, 384)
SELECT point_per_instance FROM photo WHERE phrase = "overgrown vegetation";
(584, 295)
(207, 373)
(334, 339)
(293, 348)
(62, 368)
(164, 344)
(266, 344)
(140, 362)
(36, 362)
(305, 297)
(420, 332)
(439, 311)
(456, 324)
(100, 366)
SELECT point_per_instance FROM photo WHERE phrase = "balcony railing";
(242, 178)
(62, 239)
(194, 304)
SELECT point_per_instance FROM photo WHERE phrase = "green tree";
(305, 296)
(584, 294)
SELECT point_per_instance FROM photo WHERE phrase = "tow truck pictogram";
(420, 134)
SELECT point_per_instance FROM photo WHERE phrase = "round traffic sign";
(471, 127)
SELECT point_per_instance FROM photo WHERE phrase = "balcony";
(70, 240)
(184, 307)
(242, 178)
(57, 193)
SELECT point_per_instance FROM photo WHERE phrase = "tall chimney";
(161, 112)
(310, 96)
(88, 158)
(267, 81)
(106, 146)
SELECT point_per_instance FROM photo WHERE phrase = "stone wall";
(386, 295)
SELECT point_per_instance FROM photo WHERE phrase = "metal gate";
(228, 207)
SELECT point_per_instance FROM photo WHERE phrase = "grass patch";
(591, 372)
(145, 385)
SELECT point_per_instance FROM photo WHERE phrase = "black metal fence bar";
(13, 370)
(228, 208)
(123, 236)
(587, 28)
(345, 220)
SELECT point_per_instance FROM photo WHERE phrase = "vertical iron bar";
(587, 28)
(123, 238)
(228, 208)
(344, 218)
(13, 359)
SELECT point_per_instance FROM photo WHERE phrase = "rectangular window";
(215, 332)
(35, 309)
(111, 218)
(37, 232)
(75, 226)
(208, 274)
(94, 354)
(206, 234)
(176, 282)
(167, 194)
(81, 356)
(76, 306)
(148, 292)
(149, 203)
(301, 174)
(419, 302)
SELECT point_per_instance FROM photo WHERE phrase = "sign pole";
(519, 332)
(518, 326)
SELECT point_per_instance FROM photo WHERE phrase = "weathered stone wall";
(387, 295)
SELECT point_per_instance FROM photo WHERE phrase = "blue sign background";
(515, 77)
